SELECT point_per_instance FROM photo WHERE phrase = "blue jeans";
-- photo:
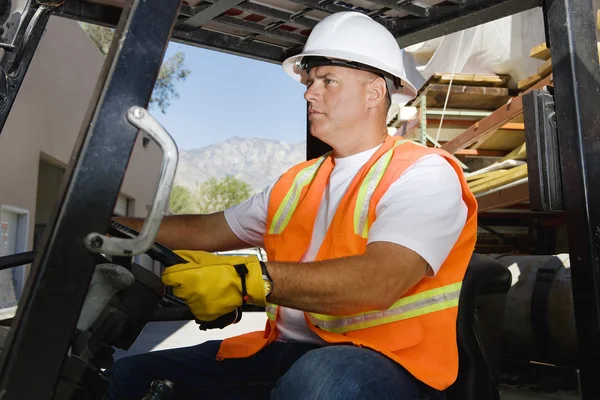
(281, 371)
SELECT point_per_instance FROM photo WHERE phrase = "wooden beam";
(545, 68)
(511, 126)
(472, 79)
(488, 125)
(504, 198)
(541, 52)
(461, 96)
(493, 182)
(481, 153)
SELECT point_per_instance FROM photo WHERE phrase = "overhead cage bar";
(272, 30)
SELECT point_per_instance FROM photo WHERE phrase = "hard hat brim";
(400, 96)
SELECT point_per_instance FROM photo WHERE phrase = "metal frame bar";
(232, 45)
(572, 43)
(405, 6)
(443, 20)
(15, 63)
(60, 275)
(278, 14)
(421, 24)
(258, 29)
(207, 14)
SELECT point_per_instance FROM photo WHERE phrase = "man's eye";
(329, 81)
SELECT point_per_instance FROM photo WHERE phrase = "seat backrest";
(479, 329)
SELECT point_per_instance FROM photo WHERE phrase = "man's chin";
(319, 132)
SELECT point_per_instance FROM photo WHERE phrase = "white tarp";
(497, 47)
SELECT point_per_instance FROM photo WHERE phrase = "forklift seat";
(479, 329)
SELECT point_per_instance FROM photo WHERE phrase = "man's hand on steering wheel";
(214, 285)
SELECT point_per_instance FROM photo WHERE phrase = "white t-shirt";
(423, 211)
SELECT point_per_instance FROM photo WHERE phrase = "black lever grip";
(224, 320)
(167, 257)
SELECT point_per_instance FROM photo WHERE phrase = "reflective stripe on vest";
(271, 310)
(367, 187)
(407, 307)
(290, 201)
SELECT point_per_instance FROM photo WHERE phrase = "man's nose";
(311, 94)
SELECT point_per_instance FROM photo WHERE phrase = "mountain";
(256, 161)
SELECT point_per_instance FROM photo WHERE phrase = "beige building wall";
(45, 122)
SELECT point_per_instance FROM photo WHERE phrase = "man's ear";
(377, 90)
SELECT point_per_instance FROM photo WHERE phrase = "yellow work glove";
(211, 285)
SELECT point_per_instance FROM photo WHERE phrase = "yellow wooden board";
(541, 52)
(520, 153)
(509, 176)
(545, 68)
(488, 177)
(473, 180)
(472, 79)
(502, 140)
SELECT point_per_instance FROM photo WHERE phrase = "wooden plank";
(541, 52)
(503, 198)
(486, 127)
(526, 83)
(545, 68)
(501, 140)
(509, 176)
(480, 177)
(493, 176)
(492, 122)
(513, 126)
(466, 97)
(510, 126)
(520, 153)
(472, 79)
(480, 153)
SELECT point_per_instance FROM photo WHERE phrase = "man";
(367, 248)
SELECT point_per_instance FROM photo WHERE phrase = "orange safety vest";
(419, 330)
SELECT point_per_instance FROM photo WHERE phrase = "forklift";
(85, 297)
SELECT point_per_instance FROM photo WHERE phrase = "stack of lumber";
(468, 91)
(541, 52)
(510, 169)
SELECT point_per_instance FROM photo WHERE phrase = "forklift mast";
(41, 333)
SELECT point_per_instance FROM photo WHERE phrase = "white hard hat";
(354, 37)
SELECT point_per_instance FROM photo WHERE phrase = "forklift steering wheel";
(171, 304)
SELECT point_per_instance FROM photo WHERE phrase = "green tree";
(182, 201)
(172, 70)
(218, 194)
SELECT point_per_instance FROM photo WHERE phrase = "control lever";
(115, 246)
(173, 308)
(107, 280)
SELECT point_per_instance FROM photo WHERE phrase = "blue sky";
(227, 96)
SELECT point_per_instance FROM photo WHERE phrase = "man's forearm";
(348, 285)
(208, 232)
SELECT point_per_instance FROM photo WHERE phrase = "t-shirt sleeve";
(248, 219)
(423, 211)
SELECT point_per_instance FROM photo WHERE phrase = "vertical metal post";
(41, 331)
(577, 95)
